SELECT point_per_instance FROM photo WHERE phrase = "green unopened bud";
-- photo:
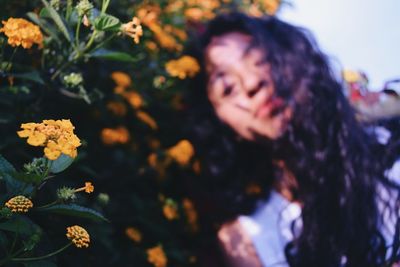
(73, 79)
(103, 198)
(83, 7)
(66, 193)
(55, 4)
(37, 166)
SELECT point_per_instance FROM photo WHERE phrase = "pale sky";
(359, 34)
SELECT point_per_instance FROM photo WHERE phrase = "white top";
(270, 225)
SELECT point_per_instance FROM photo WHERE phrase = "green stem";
(78, 27)
(13, 243)
(69, 10)
(11, 59)
(48, 205)
(104, 42)
(58, 72)
(2, 49)
(104, 6)
(45, 256)
(7, 259)
(91, 40)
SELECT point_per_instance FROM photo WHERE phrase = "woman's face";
(241, 90)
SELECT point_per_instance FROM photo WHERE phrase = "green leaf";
(20, 224)
(106, 22)
(28, 177)
(32, 76)
(113, 55)
(7, 173)
(61, 163)
(58, 21)
(45, 13)
(3, 240)
(47, 28)
(6, 166)
(76, 211)
(39, 264)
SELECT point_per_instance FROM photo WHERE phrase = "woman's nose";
(252, 85)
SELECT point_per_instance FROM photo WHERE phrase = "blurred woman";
(292, 177)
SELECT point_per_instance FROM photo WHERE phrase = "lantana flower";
(186, 66)
(21, 32)
(19, 204)
(57, 136)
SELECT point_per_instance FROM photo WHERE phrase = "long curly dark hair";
(338, 165)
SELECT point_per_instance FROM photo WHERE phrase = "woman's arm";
(237, 246)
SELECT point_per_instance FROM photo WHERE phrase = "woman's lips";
(270, 108)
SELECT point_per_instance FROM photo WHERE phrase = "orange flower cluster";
(182, 152)
(133, 234)
(121, 79)
(157, 257)
(79, 236)
(149, 15)
(170, 210)
(111, 136)
(21, 32)
(133, 29)
(57, 136)
(117, 108)
(258, 8)
(165, 39)
(186, 66)
(198, 10)
(147, 119)
(123, 82)
(191, 214)
(19, 204)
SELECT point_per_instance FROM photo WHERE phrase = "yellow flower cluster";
(121, 79)
(111, 136)
(123, 82)
(170, 210)
(258, 8)
(160, 165)
(191, 214)
(133, 234)
(57, 136)
(182, 152)
(133, 98)
(157, 257)
(186, 66)
(117, 108)
(165, 39)
(149, 13)
(147, 119)
(133, 29)
(21, 32)
(181, 34)
(198, 10)
(79, 236)
(19, 204)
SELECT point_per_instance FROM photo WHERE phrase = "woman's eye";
(227, 90)
(263, 83)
